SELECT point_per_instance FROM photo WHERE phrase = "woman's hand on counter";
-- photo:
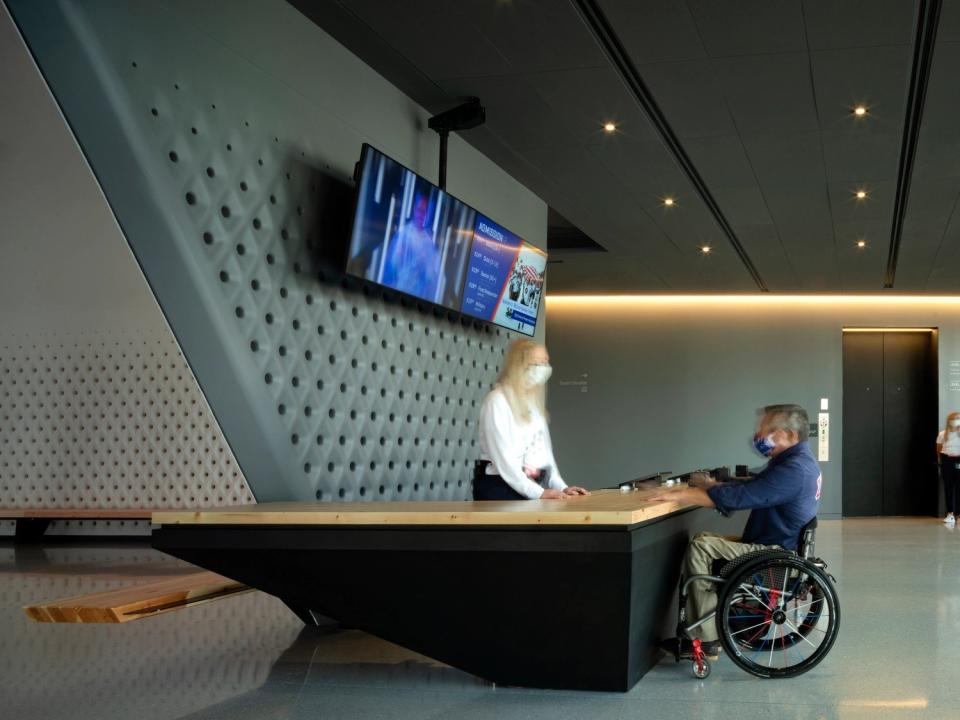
(551, 494)
(575, 490)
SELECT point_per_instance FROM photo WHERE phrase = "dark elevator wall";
(890, 423)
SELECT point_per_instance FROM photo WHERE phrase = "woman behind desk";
(517, 460)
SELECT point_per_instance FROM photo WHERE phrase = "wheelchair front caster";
(700, 668)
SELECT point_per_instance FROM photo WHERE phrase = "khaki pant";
(703, 549)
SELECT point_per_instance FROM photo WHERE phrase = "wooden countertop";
(603, 507)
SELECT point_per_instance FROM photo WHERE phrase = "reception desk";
(553, 594)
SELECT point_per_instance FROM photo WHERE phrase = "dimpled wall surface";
(98, 407)
(108, 422)
(218, 172)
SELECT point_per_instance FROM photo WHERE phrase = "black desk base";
(565, 608)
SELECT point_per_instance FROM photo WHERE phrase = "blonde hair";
(946, 427)
(512, 381)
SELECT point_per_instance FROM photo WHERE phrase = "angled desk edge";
(603, 507)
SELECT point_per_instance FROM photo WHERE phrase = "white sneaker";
(950, 519)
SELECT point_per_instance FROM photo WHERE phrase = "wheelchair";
(777, 613)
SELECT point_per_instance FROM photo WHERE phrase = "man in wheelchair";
(782, 498)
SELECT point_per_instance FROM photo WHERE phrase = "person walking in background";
(948, 455)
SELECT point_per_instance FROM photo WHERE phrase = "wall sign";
(823, 437)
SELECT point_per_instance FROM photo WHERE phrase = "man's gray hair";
(790, 417)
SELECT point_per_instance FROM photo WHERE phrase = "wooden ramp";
(139, 601)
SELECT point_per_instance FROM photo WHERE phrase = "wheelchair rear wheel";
(778, 616)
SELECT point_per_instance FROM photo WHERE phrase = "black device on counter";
(642, 481)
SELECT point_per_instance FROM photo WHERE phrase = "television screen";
(504, 278)
(411, 236)
(408, 234)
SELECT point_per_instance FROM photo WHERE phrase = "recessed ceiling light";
(860, 110)
(861, 244)
(861, 194)
(706, 249)
(668, 201)
(609, 127)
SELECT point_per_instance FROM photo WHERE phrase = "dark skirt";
(493, 487)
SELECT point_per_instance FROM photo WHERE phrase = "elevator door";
(889, 424)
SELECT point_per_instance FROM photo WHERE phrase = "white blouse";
(510, 445)
(951, 444)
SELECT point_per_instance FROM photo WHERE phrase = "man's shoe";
(711, 648)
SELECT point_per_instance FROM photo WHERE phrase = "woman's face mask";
(537, 374)
(955, 424)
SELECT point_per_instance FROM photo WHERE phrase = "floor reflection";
(250, 657)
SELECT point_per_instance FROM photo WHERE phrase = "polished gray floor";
(898, 655)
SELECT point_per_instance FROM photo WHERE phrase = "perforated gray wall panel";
(215, 170)
(98, 407)
(108, 422)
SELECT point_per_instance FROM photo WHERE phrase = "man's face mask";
(764, 444)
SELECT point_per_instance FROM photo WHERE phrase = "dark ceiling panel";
(749, 27)
(690, 96)
(779, 158)
(655, 30)
(861, 271)
(644, 168)
(721, 160)
(584, 99)
(931, 206)
(764, 247)
(768, 93)
(937, 157)
(858, 23)
(949, 31)
(943, 101)
(413, 28)
(743, 205)
(856, 157)
(847, 210)
(559, 42)
(876, 77)
(944, 276)
(756, 92)
(802, 216)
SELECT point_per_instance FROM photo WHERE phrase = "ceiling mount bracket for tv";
(463, 117)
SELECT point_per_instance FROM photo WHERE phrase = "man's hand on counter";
(684, 496)
(700, 480)
(575, 490)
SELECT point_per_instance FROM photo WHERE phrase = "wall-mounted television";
(504, 278)
(411, 236)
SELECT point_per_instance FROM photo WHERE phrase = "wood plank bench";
(137, 601)
(32, 523)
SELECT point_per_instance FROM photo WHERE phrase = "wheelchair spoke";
(748, 592)
(765, 622)
(798, 608)
(804, 637)
(773, 646)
